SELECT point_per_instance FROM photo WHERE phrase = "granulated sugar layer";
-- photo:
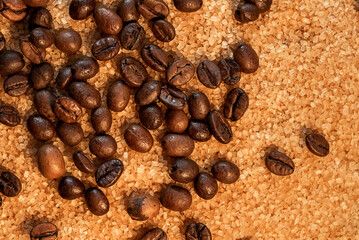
(308, 79)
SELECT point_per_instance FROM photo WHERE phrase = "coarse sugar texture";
(308, 79)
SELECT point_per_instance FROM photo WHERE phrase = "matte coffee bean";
(172, 97)
(199, 131)
(10, 185)
(177, 145)
(142, 206)
(127, 11)
(263, 5)
(198, 105)
(183, 170)
(225, 172)
(64, 77)
(132, 36)
(108, 22)
(317, 144)
(138, 138)
(40, 127)
(96, 201)
(16, 85)
(151, 116)
(34, 54)
(230, 71)
(85, 94)
(11, 62)
(176, 121)
(101, 119)
(41, 75)
(103, 146)
(188, 5)
(70, 133)
(155, 57)
(154, 234)
(83, 162)
(36, 3)
(81, 9)
(133, 71)
(44, 231)
(67, 110)
(44, 101)
(148, 93)
(109, 172)
(151, 9)
(163, 30)
(71, 188)
(209, 74)
(2, 42)
(68, 41)
(176, 198)
(51, 162)
(247, 58)
(247, 13)
(118, 96)
(40, 17)
(180, 72)
(198, 231)
(236, 104)
(14, 10)
(105, 48)
(220, 127)
(42, 37)
(279, 163)
(205, 186)
(9, 116)
(85, 68)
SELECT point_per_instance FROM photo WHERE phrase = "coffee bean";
(40, 127)
(263, 5)
(317, 144)
(148, 93)
(133, 71)
(205, 186)
(198, 231)
(10, 185)
(209, 74)
(96, 201)
(225, 172)
(101, 119)
(220, 127)
(142, 206)
(83, 162)
(198, 105)
(163, 30)
(40, 17)
(138, 138)
(154, 234)
(183, 170)
(85, 68)
(34, 54)
(51, 162)
(70, 133)
(2, 42)
(236, 104)
(118, 96)
(44, 101)
(67, 110)
(151, 116)
(132, 36)
(41, 75)
(109, 172)
(16, 85)
(127, 11)
(14, 10)
(199, 131)
(155, 57)
(176, 121)
(188, 5)
(44, 231)
(0, 201)
(177, 145)
(71, 188)
(247, 58)
(42, 37)
(85, 94)
(176, 198)
(9, 116)
(180, 72)
(105, 48)
(279, 163)
(108, 22)
(247, 13)
(103, 146)
(81, 9)
(36, 3)
(64, 77)
(230, 71)
(11, 62)
(151, 9)
(68, 41)
(173, 97)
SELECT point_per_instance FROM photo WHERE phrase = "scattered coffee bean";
(83, 162)
(10, 185)
(132, 36)
(103, 146)
(44, 101)
(68, 41)
(40, 17)
(230, 71)
(70, 133)
(36, 3)
(151, 9)
(199, 131)
(96, 201)
(154, 234)
(148, 93)
(71, 188)
(209, 74)
(198, 231)
(51, 162)
(247, 58)
(225, 172)
(176, 120)
(64, 77)
(138, 138)
(2, 42)
(279, 163)
(163, 30)
(236, 104)
(81, 9)
(142, 206)
(14, 10)
(188, 5)
(118, 96)
(67, 110)
(44, 231)
(247, 13)
(42, 37)
(263, 5)
(177, 145)
(109, 172)
(180, 72)
(85, 94)
(183, 170)
(0, 201)
(198, 105)
(317, 144)
(105, 48)
(206, 186)
(155, 57)
(101, 119)
(85, 68)
(16, 85)
(9, 116)
(11, 62)
(133, 71)
(34, 54)
(172, 97)
(108, 22)
(176, 198)
(41, 75)
(220, 127)
(40, 127)
(127, 11)
(151, 116)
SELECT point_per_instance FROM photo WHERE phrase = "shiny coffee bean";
(118, 96)
(67, 110)
(68, 41)
(225, 171)
(183, 170)
(16, 85)
(96, 201)
(11, 62)
(40, 127)
(41, 75)
(176, 198)
(85, 94)
(151, 9)
(85, 68)
(42, 37)
(105, 48)
(14, 10)
(70, 133)
(198, 231)
(163, 30)
(154, 234)
(9, 116)
(64, 77)
(127, 11)
(236, 104)
(230, 71)
(10, 185)
(205, 186)
(209, 74)
(220, 127)
(198, 105)
(44, 101)
(71, 188)
(247, 13)
(317, 144)
(132, 36)
(83, 162)
(51, 162)
(180, 72)
(199, 131)
(36, 3)
(155, 57)
(176, 121)
(151, 116)
(103, 146)
(34, 54)
(81, 9)
(148, 93)
(247, 58)
(109, 172)
(2, 42)
(177, 145)
(108, 22)
(142, 206)
(188, 5)
(279, 163)
(133, 71)
(263, 5)
(40, 17)
(101, 119)
(173, 97)
(138, 138)
(44, 231)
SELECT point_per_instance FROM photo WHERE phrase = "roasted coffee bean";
(67, 110)
(14, 10)
(9, 116)
(155, 57)
(199, 131)
(41, 75)
(279, 163)
(36, 3)
(0, 201)
(42, 37)
(247, 58)
(108, 22)
(154, 234)
(198, 105)
(173, 97)
(180, 72)
(205, 186)
(103, 146)
(70, 133)
(220, 127)
(176, 198)
(188, 5)
(163, 30)
(198, 231)
(148, 93)
(40, 127)
(138, 138)
(85, 94)
(176, 121)
(317, 144)
(132, 36)
(16, 85)
(225, 172)
(142, 206)
(68, 41)
(11, 62)
(183, 170)
(10, 185)
(133, 71)
(105, 48)
(83, 162)
(177, 145)
(209, 74)
(85, 68)
(44, 231)
(230, 71)
(51, 162)
(109, 172)
(71, 188)
(2, 42)
(34, 54)
(236, 104)
(151, 9)
(247, 13)
(127, 11)
(151, 116)
(40, 17)
(118, 96)
(64, 77)
(101, 119)
(44, 101)
(81, 9)
(96, 201)
(263, 5)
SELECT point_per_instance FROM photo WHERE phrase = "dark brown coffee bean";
(247, 13)
(133, 71)
(127, 11)
(70, 133)
(83, 162)
(198, 105)
(105, 48)
(180, 72)
(68, 41)
(40, 17)
(9, 116)
(101, 119)
(225, 172)
(176, 121)
(173, 97)
(108, 22)
(36, 3)
(67, 110)
(205, 186)
(34, 54)
(51, 162)
(230, 71)
(148, 93)
(71, 188)
(177, 145)
(64, 77)
(263, 5)
(14, 10)
(176, 198)
(118, 96)
(85, 94)
(220, 127)
(138, 138)
(317, 144)
(85, 68)
(44, 231)
(44, 101)
(142, 206)
(81, 9)
(16, 85)
(109, 172)
(151, 116)
(41, 75)
(188, 5)
(96, 201)
(183, 170)
(40, 127)
(11, 62)
(155, 57)
(199, 131)
(2, 42)
(132, 36)
(42, 37)
(163, 30)
(154, 234)
(198, 231)
(247, 58)
(10, 185)
(209, 74)
(103, 146)
(151, 9)
(236, 104)
(0, 201)
(279, 163)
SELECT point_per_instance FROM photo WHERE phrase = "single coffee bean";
(247, 13)
(151, 9)
(41, 75)
(14, 10)
(138, 138)
(279, 163)
(10, 185)
(180, 72)
(85, 68)
(176, 120)
(198, 105)
(230, 71)
(236, 104)
(247, 58)
(64, 77)
(44, 231)
(118, 96)
(127, 11)
(71, 188)
(263, 5)
(209, 74)
(132, 36)
(36, 3)
(220, 127)
(142, 206)
(133, 71)
(42, 37)
(176, 198)
(16, 85)
(11, 62)
(154, 234)
(148, 93)
(2, 42)
(0, 201)
(34, 54)
(198, 231)
(151, 116)
(40, 17)
(163, 30)
(155, 57)
(205, 186)
(44, 101)
(40, 127)
(188, 5)
(9, 116)
(108, 22)
(177, 145)
(105, 48)
(183, 170)
(172, 97)
(317, 144)
(101, 119)
(85, 94)
(68, 41)
(81, 9)
(109, 172)
(199, 131)
(225, 172)
(67, 110)
(96, 201)
(51, 162)
(103, 146)
(83, 162)
(70, 133)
